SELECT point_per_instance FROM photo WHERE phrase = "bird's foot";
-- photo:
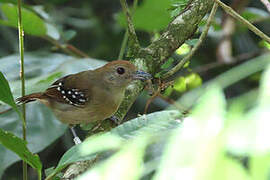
(76, 138)
(115, 119)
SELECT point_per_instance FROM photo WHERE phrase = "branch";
(196, 47)
(250, 26)
(177, 32)
(267, 4)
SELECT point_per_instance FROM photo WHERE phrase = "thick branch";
(179, 30)
(196, 47)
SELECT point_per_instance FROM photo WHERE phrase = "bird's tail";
(29, 98)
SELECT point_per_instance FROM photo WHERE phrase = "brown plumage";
(88, 96)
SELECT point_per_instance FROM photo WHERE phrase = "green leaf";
(125, 164)
(177, 6)
(264, 93)
(86, 150)
(197, 144)
(167, 64)
(259, 116)
(183, 49)
(150, 15)
(260, 166)
(180, 85)
(19, 147)
(193, 80)
(5, 93)
(154, 122)
(139, 132)
(192, 42)
(32, 24)
(168, 91)
(226, 169)
(254, 14)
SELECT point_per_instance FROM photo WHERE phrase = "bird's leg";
(76, 138)
(115, 119)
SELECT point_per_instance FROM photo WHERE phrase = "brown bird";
(88, 96)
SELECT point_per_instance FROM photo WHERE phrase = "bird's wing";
(61, 91)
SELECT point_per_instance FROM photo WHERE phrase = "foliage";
(9, 140)
(224, 134)
(18, 146)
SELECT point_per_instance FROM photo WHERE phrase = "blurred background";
(64, 36)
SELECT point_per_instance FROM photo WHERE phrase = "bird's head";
(120, 73)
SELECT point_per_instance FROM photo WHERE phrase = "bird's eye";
(120, 70)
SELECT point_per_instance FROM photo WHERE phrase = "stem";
(266, 4)
(123, 45)
(196, 47)
(125, 39)
(67, 48)
(20, 30)
(133, 42)
(250, 26)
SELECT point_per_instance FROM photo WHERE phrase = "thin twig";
(195, 48)
(236, 60)
(133, 41)
(178, 106)
(20, 30)
(149, 101)
(250, 26)
(3, 112)
(125, 39)
(123, 45)
(267, 4)
(67, 48)
(76, 51)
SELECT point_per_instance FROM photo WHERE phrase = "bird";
(88, 96)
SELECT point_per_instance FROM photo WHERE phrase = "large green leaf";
(264, 94)
(151, 15)
(86, 150)
(259, 166)
(196, 145)
(125, 164)
(32, 24)
(152, 123)
(18, 146)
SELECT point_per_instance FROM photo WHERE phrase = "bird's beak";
(141, 75)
